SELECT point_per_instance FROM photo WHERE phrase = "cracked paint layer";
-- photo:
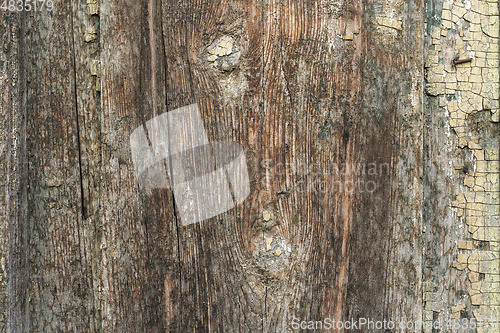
(224, 53)
(471, 30)
(388, 20)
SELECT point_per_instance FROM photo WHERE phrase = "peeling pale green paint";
(472, 32)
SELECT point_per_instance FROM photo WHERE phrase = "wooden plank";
(320, 90)
(16, 218)
(461, 156)
(60, 290)
(307, 88)
(215, 255)
(85, 31)
(139, 249)
(4, 135)
(305, 79)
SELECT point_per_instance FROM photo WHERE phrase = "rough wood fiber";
(305, 87)
(85, 20)
(59, 250)
(139, 245)
(4, 134)
(300, 100)
(16, 176)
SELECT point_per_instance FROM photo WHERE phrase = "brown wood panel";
(215, 290)
(88, 85)
(305, 87)
(138, 246)
(314, 110)
(4, 116)
(4, 138)
(59, 270)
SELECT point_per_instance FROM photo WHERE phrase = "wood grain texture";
(307, 88)
(5, 47)
(139, 246)
(60, 269)
(86, 33)
(16, 175)
(306, 103)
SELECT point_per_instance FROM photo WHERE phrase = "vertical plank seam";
(262, 110)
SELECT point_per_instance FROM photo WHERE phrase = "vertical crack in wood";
(86, 59)
(75, 82)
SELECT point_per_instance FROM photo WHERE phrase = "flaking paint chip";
(93, 9)
(391, 23)
(278, 252)
(474, 277)
(90, 35)
(348, 36)
(266, 216)
(212, 58)
(95, 68)
(224, 48)
(458, 308)
(459, 266)
(268, 243)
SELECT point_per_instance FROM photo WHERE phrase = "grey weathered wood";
(60, 277)
(85, 20)
(4, 134)
(139, 247)
(16, 216)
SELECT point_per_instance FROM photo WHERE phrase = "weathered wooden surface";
(16, 166)
(4, 134)
(305, 87)
(461, 270)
